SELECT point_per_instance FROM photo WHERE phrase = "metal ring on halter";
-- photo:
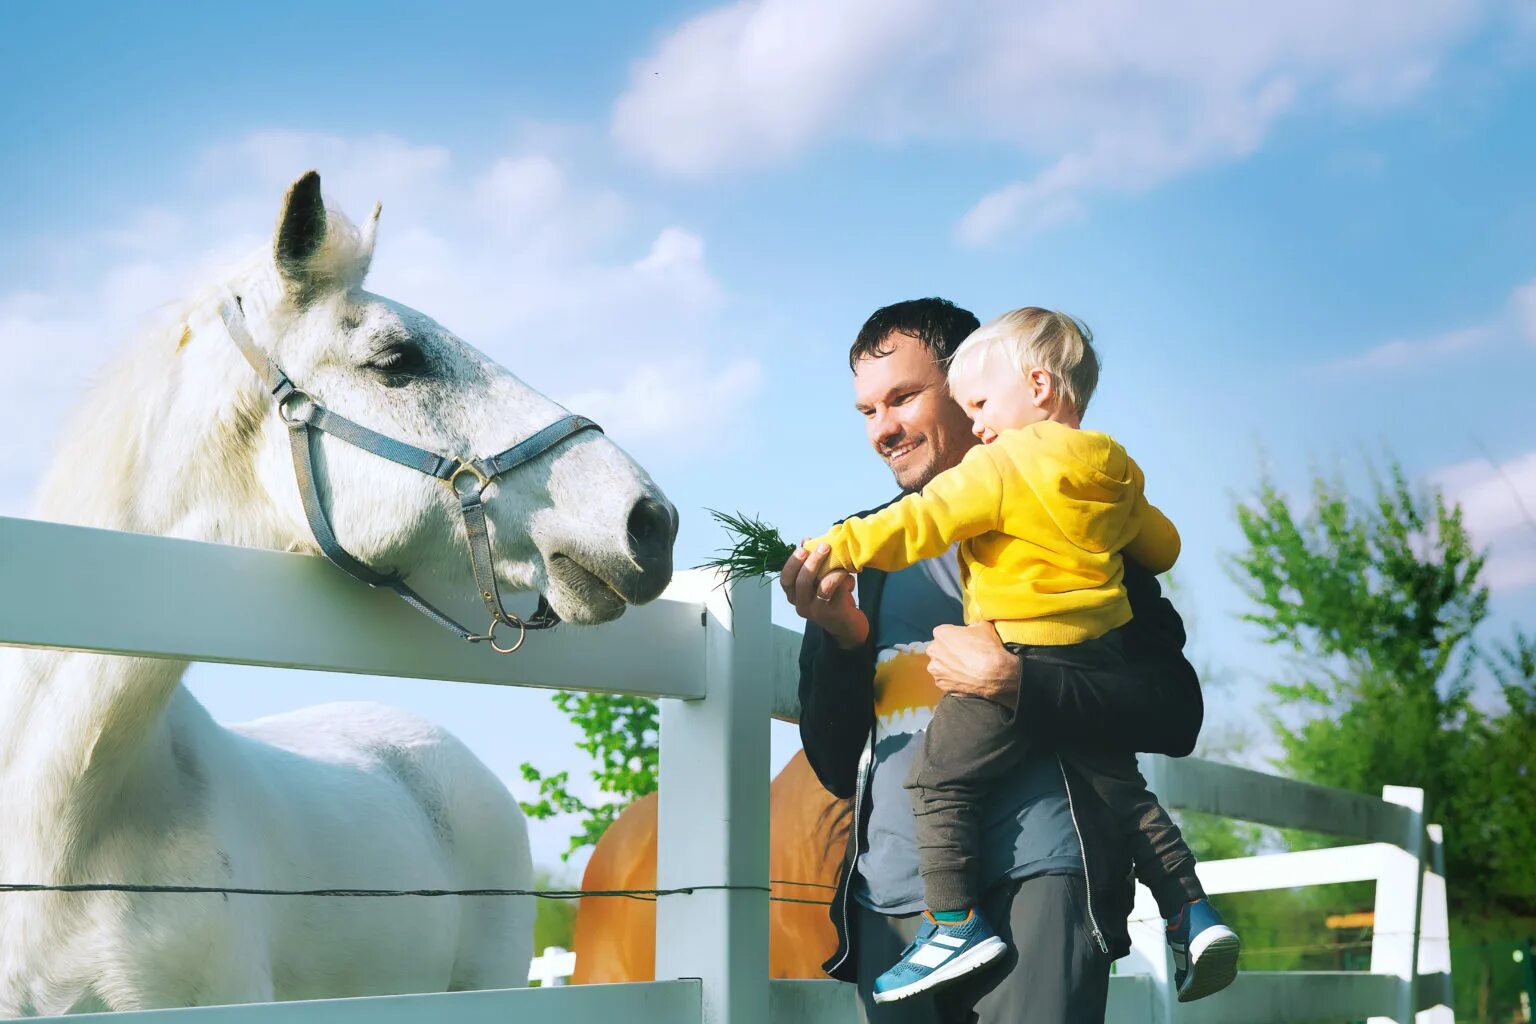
(522, 634)
(284, 403)
(466, 466)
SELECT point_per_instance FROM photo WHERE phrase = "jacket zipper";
(1082, 850)
(858, 803)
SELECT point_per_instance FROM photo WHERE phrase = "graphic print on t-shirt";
(904, 691)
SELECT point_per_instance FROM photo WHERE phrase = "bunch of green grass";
(756, 550)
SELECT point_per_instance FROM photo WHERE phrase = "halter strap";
(467, 478)
(533, 447)
(295, 405)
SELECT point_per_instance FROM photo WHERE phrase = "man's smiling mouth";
(894, 454)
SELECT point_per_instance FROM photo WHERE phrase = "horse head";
(581, 523)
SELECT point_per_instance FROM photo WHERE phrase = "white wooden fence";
(722, 669)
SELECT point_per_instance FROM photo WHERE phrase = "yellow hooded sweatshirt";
(1042, 515)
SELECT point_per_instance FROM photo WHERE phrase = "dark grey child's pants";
(972, 743)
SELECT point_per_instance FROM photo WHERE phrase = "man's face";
(912, 422)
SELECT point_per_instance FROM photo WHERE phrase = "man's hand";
(972, 660)
(826, 601)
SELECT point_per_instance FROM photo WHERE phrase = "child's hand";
(830, 579)
(828, 603)
(833, 580)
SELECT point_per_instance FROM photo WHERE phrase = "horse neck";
(165, 444)
(157, 448)
(75, 729)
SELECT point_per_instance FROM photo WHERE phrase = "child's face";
(997, 397)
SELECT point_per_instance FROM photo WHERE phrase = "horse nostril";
(651, 532)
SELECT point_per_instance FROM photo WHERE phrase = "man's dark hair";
(938, 323)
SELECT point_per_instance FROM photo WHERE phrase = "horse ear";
(369, 236)
(300, 229)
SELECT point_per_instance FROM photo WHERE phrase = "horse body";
(110, 771)
(340, 796)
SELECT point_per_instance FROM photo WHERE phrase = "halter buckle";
(285, 410)
(465, 466)
(522, 634)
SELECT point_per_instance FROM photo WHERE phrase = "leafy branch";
(622, 736)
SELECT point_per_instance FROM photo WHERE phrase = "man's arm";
(1151, 703)
(837, 708)
(1155, 639)
(837, 670)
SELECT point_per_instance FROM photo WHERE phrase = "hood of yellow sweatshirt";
(1084, 480)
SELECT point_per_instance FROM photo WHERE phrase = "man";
(1057, 873)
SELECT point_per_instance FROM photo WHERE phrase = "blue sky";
(1305, 237)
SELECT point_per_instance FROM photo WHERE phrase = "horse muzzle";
(590, 588)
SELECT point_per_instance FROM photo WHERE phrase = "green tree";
(554, 921)
(1494, 802)
(622, 736)
(1376, 602)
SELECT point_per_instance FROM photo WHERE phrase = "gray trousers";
(1053, 972)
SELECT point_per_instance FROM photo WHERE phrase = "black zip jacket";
(1156, 708)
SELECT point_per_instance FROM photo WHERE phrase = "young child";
(1043, 513)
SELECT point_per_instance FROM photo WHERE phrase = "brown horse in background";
(808, 831)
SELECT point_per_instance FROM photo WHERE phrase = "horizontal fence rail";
(122, 593)
(1233, 792)
(656, 1001)
(729, 669)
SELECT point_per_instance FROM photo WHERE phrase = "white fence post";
(1435, 936)
(1150, 945)
(552, 967)
(713, 815)
(1395, 937)
(1149, 937)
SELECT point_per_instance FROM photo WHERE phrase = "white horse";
(110, 771)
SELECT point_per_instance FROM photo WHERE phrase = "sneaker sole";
(971, 960)
(1213, 966)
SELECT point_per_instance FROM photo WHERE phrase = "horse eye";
(400, 360)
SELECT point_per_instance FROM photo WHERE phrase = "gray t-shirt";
(1026, 825)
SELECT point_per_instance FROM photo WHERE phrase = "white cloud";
(385, 164)
(557, 279)
(684, 399)
(1520, 319)
(756, 81)
(1416, 351)
(1099, 96)
(1523, 302)
(1498, 503)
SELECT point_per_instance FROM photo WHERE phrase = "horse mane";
(115, 424)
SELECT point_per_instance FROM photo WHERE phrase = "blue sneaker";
(1204, 951)
(938, 955)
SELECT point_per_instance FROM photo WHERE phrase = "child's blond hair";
(1034, 338)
